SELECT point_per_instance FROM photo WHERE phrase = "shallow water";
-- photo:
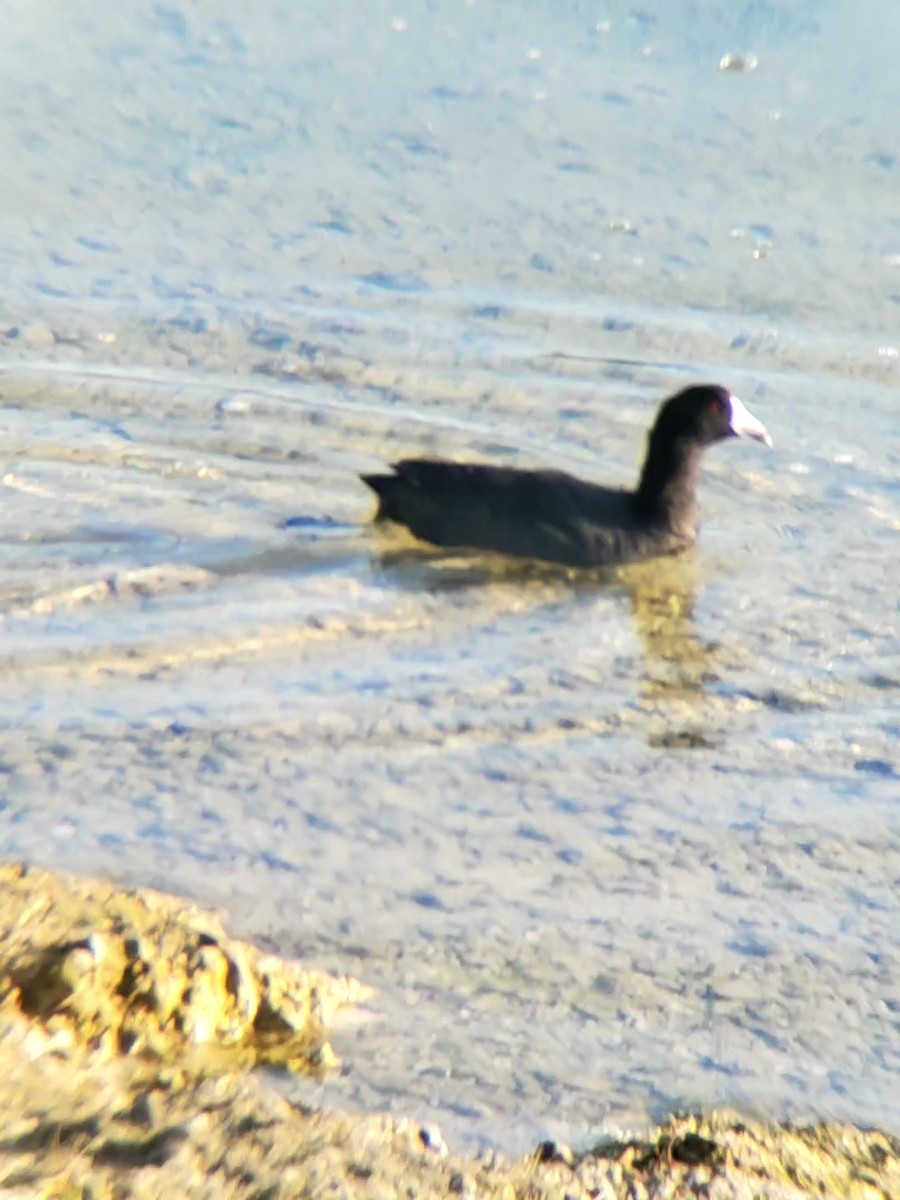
(605, 844)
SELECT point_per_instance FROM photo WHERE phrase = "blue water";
(604, 848)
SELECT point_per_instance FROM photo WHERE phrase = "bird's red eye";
(717, 403)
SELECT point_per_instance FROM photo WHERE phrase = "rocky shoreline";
(129, 1027)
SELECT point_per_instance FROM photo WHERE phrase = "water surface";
(605, 844)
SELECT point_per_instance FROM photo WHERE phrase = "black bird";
(554, 517)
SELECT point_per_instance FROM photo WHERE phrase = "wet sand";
(617, 844)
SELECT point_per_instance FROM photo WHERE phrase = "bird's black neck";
(667, 491)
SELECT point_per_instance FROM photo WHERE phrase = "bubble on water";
(738, 62)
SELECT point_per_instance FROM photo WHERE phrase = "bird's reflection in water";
(662, 595)
(679, 665)
(421, 568)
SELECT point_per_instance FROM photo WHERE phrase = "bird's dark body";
(545, 515)
(554, 517)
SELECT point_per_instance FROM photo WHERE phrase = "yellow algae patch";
(144, 974)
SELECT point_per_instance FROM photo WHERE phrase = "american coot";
(554, 517)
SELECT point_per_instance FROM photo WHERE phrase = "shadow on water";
(322, 547)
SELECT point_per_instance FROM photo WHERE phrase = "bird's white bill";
(744, 424)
